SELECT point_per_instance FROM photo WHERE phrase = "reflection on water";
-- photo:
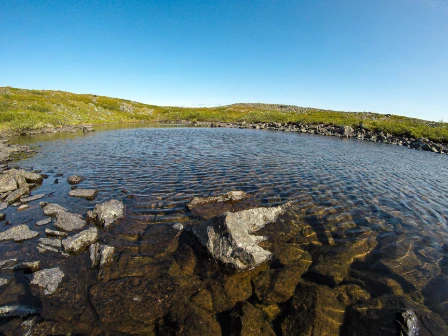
(369, 227)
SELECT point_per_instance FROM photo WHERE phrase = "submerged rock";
(68, 221)
(43, 222)
(81, 241)
(102, 256)
(229, 237)
(48, 280)
(89, 194)
(18, 233)
(107, 213)
(54, 233)
(246, 319)
(231, 196)
(18, 311)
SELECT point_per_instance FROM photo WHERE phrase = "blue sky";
(387, 56)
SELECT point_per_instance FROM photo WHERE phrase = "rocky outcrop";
(81, 241)
(358, 132)
(18, 233)
(107, 213)
(229, 237)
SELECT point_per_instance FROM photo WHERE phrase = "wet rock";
(436, 295)
(248, 320)
(29, 266)
(75, 179)
(43, 222)
(68, 221)
(7, 183)
(78, 243)
(23, 207)
(384, 316)
(107, 213)
(35, 327)
(229, 237)
(31, 198)
(18, 233)
(8, 264)
(3, 205)
(178, 227)
(54, 233)
(208, 207)
(278, 285)
(102, 256)
(190, 320)
(346, 131)
(2, 217)
(314, 310)
(48, 280)
(4, 280)
(410, 324)
(55, 243)
(18, 311)
(28, 176)
(52, 209)
(89, 194)
(138, 302)
(159, 241)
(17, 194)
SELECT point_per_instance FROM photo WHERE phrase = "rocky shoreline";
(358, 133)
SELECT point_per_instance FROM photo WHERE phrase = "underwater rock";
(229, 237)
(248, 320)
(107, 213)
(43, 222)
(18, 311)
(31, 198)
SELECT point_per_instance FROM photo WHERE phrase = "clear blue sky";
(387, 56)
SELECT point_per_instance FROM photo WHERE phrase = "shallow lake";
(367, 237)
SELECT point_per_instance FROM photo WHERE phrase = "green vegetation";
(22, 110)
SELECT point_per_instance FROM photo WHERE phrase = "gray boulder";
(107, 213)
(48, 280)
(81, 241)
(18, 233)
(52, 209)
(229, 237)
(75, 179)
(68, 221)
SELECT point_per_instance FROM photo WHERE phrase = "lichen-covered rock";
(89, 194)
(107, 213)
(68, 221)
(229, 237)
(18, 233)
(52, 209)
(17, 194)
(48, 280)
(81, 241)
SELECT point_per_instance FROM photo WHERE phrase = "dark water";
(380, 211)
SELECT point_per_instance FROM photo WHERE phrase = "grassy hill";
(22, 110)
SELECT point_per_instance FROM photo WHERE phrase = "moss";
(32, 109)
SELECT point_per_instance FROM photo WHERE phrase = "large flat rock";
(81, 241)
(48, 279)
(105, 214)
(18, 233)
(89, 194)
(68, 221)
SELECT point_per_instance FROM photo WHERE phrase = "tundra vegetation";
(25, 110)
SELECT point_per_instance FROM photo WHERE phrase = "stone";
(48, 279)
(18, 233)
(29, 266)
(17, 194)
(68, 221)
(75, 179)
(248, 320)
(28, 176)
(31, 198)
(4, 280)
(346, 131)
(78, 243)
(209, 207)
(2, 216)
(178, 227)
(7, 183)
(23, 207)
(15, 310)
(436, 295)
(107, 213)
(8, 264)
(88, 194)
(231, 196)
(3, 205)
(52, 209)
(56, 243)
(54, 233)
(229, 239)
(103, 257)
(43, 222)
(378, 316)
(314, 310)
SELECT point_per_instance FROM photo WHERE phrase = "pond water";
(367, 237)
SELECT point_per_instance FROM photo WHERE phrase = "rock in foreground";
(48, 280)
(229, 237)
(68, 221)
(107, 213)
(18, 233)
